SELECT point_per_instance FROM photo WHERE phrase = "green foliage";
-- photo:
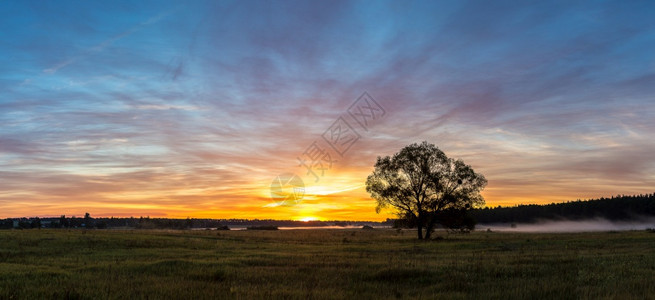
(322, 264)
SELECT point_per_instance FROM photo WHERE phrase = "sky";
(196, 108)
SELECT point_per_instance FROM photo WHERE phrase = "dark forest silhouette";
(616, 208)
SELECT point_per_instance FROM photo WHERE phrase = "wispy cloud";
(108, 42)
(194, 110)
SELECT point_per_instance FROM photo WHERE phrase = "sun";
(307, 219)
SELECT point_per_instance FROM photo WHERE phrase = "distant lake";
(244, 227)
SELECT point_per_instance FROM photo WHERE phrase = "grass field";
(301, 264)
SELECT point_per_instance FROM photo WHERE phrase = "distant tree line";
(616, 208)
(88, 222)
(453, 220)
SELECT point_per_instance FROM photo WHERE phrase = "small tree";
(87, 221)
(420, 182)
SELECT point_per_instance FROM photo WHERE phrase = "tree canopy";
(421, 183)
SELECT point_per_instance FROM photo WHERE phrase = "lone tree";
(421, 183)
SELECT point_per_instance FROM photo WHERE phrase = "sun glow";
(307, 219)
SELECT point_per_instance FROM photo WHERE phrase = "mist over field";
(590, 225)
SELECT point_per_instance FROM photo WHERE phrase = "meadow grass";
(324, 264)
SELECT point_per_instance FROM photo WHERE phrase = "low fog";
(572, 226)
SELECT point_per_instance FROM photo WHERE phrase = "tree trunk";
(419, 223)
(429, 227)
